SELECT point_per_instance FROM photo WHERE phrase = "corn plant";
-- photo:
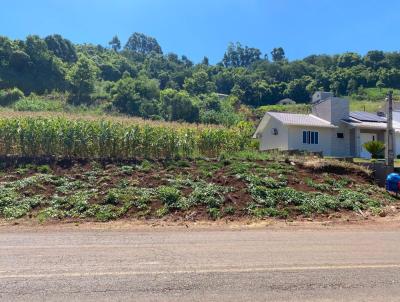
(101, 138)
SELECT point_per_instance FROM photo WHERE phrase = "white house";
(330, 128)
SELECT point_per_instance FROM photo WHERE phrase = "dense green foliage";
(140, 80)
(375, 148)
(10, 96)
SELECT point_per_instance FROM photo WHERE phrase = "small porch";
(359, 136)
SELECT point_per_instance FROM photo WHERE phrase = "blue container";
(392, 182)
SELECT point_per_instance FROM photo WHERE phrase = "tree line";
(137, 78)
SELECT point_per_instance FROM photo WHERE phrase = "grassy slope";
(243, 185)
(374, 95)
(369, 99)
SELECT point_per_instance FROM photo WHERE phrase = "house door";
(366, 137)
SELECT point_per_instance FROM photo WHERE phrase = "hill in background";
(138, 79)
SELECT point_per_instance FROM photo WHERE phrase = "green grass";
(368, 106)
(367, 99)
(295, 108)
(374, 94)
(37, 104)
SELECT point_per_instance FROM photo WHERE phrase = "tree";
(393, 59)
(237, 92)
(380, 85)
(10, 96)
(115, 43)
(177, 105)
(6, 48)
(211, 102)
(205, 61)
(129, 95)
(278, 54)
(374, 59)
(238, 56)
(349, 59)
(143, 44)
(82, 77)
(19, 60)
(262, 94)
(199, 83)
(125, 97)
(109, 72)
(375, 148)
(323, 61)
(61, 48)
(352, 86)
(297, 90)
(390, 77)
(224, 79)
(46, 71)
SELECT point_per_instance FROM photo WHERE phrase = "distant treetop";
(143, 44)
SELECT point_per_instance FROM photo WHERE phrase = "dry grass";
(126, 120)
(333, 165)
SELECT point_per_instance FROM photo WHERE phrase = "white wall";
(332, 110)
(269, 141)
(324, 139)
(341, 146)
(397, 144)
(291, 138)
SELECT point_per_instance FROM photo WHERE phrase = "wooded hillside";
(140, 80)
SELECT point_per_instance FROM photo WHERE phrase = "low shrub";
(10, 96)
(37, 105)
(169, 195)
(214, 213)
(209, 194)
(20, 208)
(261, 212)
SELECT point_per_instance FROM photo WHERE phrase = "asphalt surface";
(202, 265)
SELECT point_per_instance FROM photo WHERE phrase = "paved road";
(207, 265)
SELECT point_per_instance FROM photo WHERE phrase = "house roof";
(293, 119)
(362, 120)
(365, 125)
(367, 117)
(286, 101)
(372, 125)
(366, 120)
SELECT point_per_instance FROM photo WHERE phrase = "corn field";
(36, 136)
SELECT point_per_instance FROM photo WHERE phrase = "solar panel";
(367, 117)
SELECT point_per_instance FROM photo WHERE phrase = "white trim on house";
(372, 125)
(309, 137)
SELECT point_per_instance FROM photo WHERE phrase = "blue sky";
(205, 27)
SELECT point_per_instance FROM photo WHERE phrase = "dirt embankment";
(228, 191)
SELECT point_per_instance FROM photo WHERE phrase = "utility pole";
(390, 132)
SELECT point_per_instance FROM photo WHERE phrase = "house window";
(310, 137)
(339, 135)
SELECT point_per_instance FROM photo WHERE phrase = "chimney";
(320, 96)
(330, 108)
